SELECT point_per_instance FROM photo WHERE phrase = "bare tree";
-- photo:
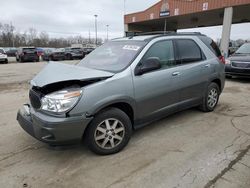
(9, 36)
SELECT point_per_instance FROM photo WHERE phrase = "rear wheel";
(211, 98)
(69, 57)
(109, 132)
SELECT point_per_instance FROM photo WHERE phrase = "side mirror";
(148, 65)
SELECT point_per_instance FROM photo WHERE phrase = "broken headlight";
(61, 101)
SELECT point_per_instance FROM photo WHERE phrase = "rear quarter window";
(211, 45)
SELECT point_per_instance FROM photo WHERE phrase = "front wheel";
(109, 132)
(211, 98)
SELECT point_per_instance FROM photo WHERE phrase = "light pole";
(124, 7)
(96, 28)
(107, 32)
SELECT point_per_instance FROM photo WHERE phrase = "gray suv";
(121, 86)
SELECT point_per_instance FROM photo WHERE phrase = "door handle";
(176, 73)
(207, 65)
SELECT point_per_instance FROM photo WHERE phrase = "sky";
(62, 18)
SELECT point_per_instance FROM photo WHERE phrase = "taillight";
(222, 60)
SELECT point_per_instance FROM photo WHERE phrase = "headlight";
(227, 61)
(61, 101)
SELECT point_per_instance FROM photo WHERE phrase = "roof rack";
(133, 34)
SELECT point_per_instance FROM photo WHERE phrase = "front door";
(158, 91)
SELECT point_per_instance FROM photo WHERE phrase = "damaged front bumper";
(50, 129)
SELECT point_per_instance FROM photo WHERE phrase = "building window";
(205, 6)
(133, 19)
(151, 16)
(176, 11)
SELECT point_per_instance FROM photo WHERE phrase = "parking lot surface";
(188, 149)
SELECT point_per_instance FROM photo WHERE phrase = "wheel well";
(125, 107)
(218, 82)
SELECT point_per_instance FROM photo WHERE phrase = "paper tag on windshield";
(131, 47)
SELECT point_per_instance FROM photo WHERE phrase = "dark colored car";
(239, 63)
(88, 50)
(74, 53)
(11, 52)
(54, 55)
(25, 54)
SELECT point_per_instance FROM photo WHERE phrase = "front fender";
(111, 101)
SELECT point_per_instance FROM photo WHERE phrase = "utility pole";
(96, 28)
(107, 32)
(124, 7)
(89, 37)
(12, 33)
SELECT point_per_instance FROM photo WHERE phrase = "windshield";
(244, 49)
(113, 56)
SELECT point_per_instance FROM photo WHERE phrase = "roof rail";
(133, 34)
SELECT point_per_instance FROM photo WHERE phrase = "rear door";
(194, 71)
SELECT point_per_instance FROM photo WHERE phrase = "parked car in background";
(54, 54)
(121, 86)
(3, 56)
(238, 64)
(27, 54)
(74, 53)
(11, 52)
(39, 51)
(233, 47)
(87, 50)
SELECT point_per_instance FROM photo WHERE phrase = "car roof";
(27, 47)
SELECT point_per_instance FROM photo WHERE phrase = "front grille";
(243, 65)
(35, 98)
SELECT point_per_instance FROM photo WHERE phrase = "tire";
(69, 57)
(119, 134)
(211, 98)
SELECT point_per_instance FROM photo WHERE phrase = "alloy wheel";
(212, 98)
(109, 133)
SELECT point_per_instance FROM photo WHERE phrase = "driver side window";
(163, 50)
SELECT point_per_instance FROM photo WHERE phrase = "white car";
(3, 56)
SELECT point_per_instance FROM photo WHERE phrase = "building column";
(125, 29)
(226, 30)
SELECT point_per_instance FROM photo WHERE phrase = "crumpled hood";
(59, 72)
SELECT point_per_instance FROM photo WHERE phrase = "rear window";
(211, 45)
(29, 49)
(1, 51)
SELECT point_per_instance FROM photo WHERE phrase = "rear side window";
(188, 51)
(211, 45)
(163, 50)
